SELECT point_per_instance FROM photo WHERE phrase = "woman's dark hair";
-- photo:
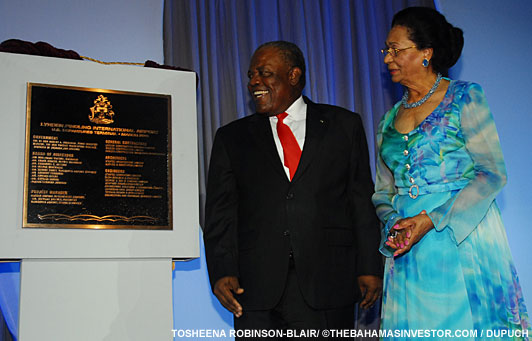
(427, 28)
(291, 54)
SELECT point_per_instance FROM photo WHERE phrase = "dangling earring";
(425, 62)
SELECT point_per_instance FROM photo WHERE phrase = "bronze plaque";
(97, 159)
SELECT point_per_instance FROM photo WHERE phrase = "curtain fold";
(10, 297)
(341, 41)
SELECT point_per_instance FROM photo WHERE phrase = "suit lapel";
(261, 132)
(316, 126)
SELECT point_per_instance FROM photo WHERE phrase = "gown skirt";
(424, 288)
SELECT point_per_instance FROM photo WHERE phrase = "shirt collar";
(298, 110)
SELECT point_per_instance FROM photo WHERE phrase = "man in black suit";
(291, 244)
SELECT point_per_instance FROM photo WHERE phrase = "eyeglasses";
(395, 52)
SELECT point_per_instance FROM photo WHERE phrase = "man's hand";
(224, 289)
(371, 288)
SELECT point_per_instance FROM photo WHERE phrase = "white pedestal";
(114, 300)
(93, 284)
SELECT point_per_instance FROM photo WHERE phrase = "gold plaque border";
(25, 223)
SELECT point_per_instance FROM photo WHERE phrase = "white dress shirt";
(296, 121)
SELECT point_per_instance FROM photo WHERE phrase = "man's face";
(273, 84)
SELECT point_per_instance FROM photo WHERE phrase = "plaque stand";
(93, 283)
(128, 299)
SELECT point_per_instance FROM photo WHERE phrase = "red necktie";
(291, 150)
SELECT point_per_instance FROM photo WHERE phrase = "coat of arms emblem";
(101, 112)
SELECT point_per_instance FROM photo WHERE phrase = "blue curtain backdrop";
(341, 40)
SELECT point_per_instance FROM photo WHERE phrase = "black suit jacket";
(255, 215)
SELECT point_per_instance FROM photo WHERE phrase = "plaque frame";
(94, 226)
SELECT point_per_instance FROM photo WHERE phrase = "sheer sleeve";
(464, 211)
(384, 195)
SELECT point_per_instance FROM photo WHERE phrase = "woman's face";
(406, 66)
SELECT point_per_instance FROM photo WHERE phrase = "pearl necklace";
(407, 105)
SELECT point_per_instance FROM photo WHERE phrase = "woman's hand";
(398, 239)
(409, 232)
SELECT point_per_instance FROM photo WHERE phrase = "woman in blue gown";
(440, 166)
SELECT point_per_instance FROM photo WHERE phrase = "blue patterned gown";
(460, 275)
